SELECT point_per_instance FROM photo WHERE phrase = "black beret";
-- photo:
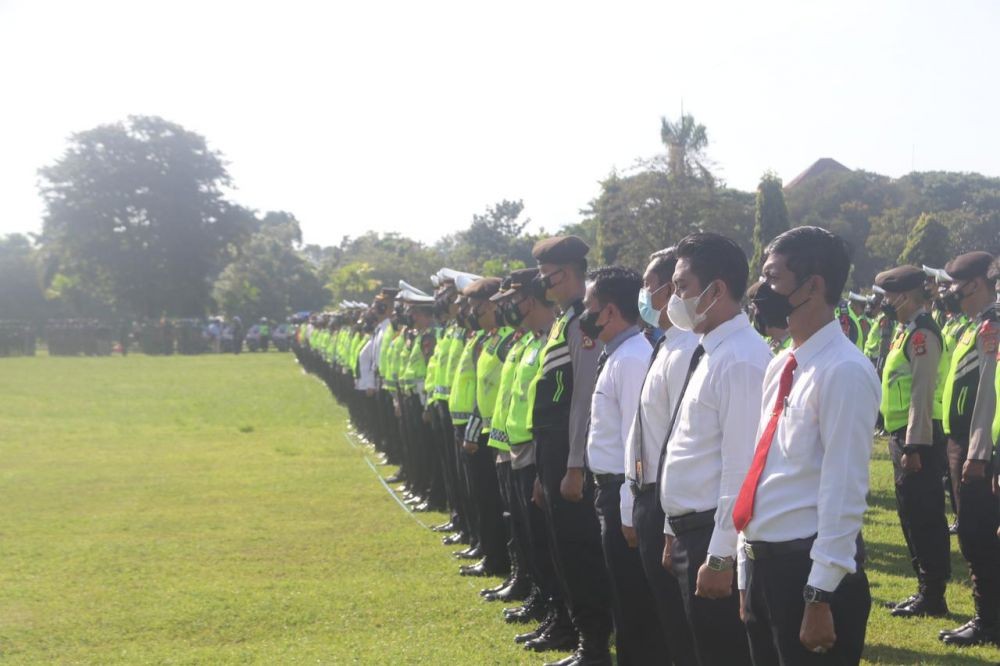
(900, 279)
(560, 250)
(387, 294)
(969, 265)
(523, 280)
(483, 288)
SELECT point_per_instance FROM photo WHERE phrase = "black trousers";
(719, 636)
(921, 509)
(638, 639)
(517, 522)
(486, 498)
(467, 505)
(447, 455)
(648, 519)
(575, 541)
(978, 518)
(539, 557)
(775, 605)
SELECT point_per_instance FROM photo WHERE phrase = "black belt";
(605, 479)
(691, 521)
(762, 550)
(641, 490)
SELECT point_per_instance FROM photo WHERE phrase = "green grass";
(212, 510)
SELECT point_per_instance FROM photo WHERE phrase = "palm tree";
(685, 141)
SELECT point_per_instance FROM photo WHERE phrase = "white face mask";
(683, 312)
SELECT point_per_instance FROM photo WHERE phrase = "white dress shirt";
(613, 405)
(816, 474)
(377, 342)
(660, 389)
(712, 443)
(366, 367)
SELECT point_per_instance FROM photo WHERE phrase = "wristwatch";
(814, 595)
(719, 563)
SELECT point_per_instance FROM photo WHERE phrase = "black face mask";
(758, 322)
(512, 315)
(472, 321)
(952, 301)
(773, 308)
(589, 325)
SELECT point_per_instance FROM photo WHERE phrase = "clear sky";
(411, 116)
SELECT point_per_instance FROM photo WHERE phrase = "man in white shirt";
(661, 387)
(610, 316)
(801, 505)
(711, 442)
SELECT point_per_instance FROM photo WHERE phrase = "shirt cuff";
(826, 577)
(666, 527)
(626, 505)
(723, 543)
(741, 565)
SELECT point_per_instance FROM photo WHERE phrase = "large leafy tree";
(770, 218)
(496, 233)
(686, 141)
(21, 294)
(928, 243)
(136, 216)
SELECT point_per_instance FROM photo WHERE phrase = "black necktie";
(637, 449)
(699, 351)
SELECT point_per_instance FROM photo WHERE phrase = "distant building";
(819, 168)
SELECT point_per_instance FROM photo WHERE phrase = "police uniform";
(911, 413)
(560, 396)
(970, 399)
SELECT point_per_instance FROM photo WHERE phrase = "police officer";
(561, 396)
(911, 413)
(969, 410)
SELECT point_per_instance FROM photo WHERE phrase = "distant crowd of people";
(678, 460)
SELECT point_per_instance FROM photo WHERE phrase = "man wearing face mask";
(970, 401)
(660, 390)
(611, 317)
(911, 412)
(530, 312)
(773, 329)
(710, 442)
(801, 505)
(488, 358)
(560, 413)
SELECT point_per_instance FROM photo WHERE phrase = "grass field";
(212, 510)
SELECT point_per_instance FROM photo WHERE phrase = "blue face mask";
(649, 315)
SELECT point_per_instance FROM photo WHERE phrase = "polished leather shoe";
(480, 569)
(559, 636)
(470, 553)
(455, 538)
(922, 606)
(892, 605)
(537, 631)
(444, 527)
(423, 507)
(517, 589)
(973, 632)
(571, 660)
(495, 588)
(523, 614)
(396, 478)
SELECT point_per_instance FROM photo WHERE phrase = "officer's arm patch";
(919, 342)
(989, 334)
(588, 342)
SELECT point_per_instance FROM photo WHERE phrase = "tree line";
(139, 224)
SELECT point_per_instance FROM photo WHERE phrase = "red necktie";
(743, 510)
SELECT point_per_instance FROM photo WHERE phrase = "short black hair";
(662, 264)
(715, 257)
(618, 285)
(815, 251)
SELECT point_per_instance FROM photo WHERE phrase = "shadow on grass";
(887, 654)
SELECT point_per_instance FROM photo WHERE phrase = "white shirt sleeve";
(629, 377)
(848, 404)
(740, 388)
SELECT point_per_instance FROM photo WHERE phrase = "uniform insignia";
(989, 334)
(919, 343)
(587, 343)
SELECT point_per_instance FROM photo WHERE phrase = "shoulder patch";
(989, 333)
(588, 343)
(919, 341)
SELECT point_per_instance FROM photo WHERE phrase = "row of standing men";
(646, 464)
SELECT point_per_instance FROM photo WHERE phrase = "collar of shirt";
(671, 334)
(617, 341)
(711, 340)
(817, 342)
(986, 311)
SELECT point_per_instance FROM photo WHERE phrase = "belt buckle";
(748, 549)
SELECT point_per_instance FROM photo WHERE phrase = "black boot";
(542, 627)
(973, 632)
(929, 602)
(517, 590)
(497, 588)
(560, 635)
